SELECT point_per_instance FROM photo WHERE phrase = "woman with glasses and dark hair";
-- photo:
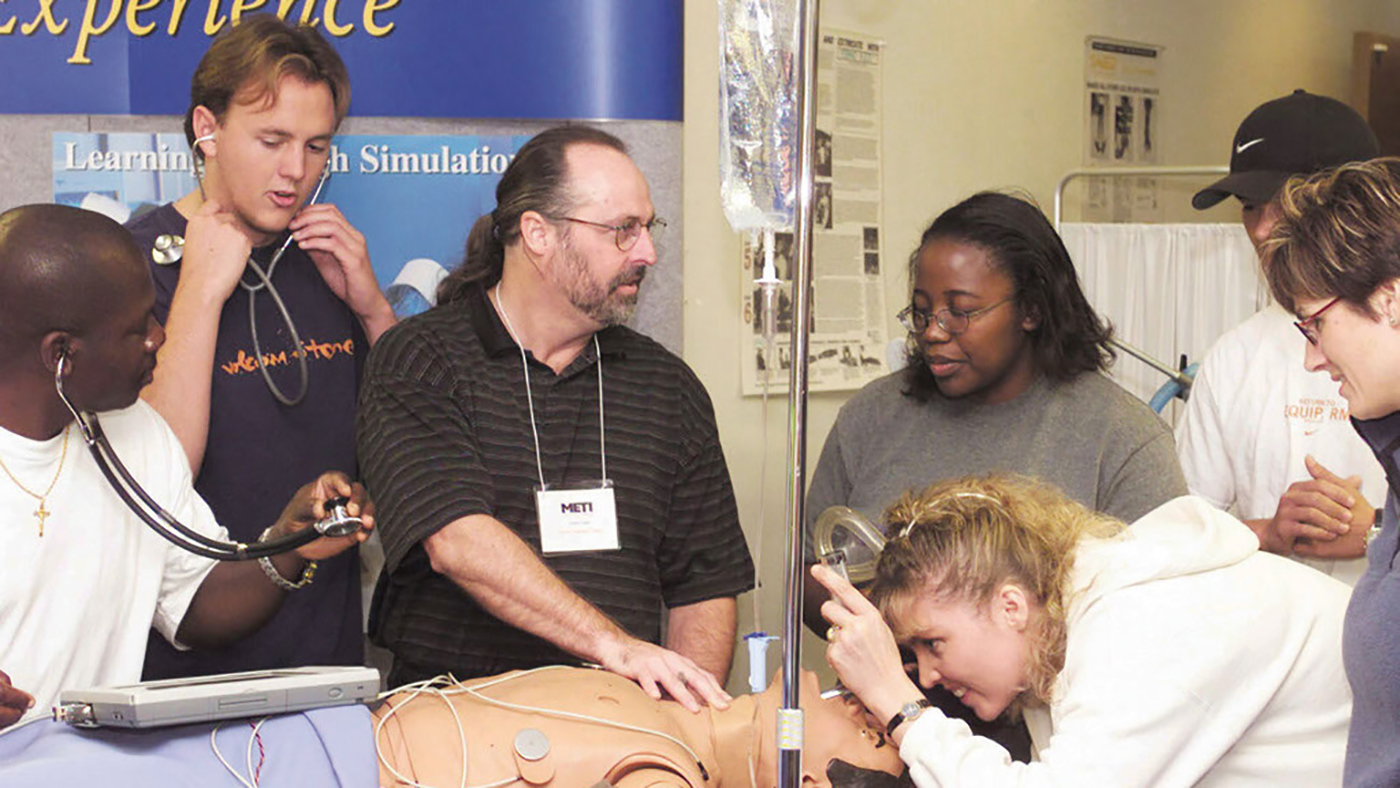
(1333, 260)
(1005, 374)
(1169, 653)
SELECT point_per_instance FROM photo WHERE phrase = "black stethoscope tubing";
(153, 514)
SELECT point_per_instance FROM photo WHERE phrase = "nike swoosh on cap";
(1246, 146)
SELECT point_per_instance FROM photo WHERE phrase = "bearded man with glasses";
(550, 483)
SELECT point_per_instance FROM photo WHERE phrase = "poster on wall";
(414, 197)
(1122, 114)
(847, 344)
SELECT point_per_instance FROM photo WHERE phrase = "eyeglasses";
(952, 321)
(627, 233)
(1308, 325)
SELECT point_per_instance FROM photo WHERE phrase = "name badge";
(575, 520)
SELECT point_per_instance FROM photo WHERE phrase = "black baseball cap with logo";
(1295, 135)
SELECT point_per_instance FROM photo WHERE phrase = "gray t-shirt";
(1100, 445)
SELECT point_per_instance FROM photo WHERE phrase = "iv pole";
(789, 734)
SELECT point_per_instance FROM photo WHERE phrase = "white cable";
(768, 279)
(474, 690)
(762, 485)
(214, 745)
(418, 688)
(34, 716)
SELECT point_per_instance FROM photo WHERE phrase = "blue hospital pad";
(323, 748)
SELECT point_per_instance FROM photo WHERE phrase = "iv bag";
(759, 132)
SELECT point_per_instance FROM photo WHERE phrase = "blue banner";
(413, 197)
(518, 59)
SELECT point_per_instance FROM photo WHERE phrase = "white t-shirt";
(77, 603)
(1252, 416)
(1192, 660)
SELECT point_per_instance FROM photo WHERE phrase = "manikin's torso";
(421, 740)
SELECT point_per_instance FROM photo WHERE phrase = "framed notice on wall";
(1122, 115)
(847, 347)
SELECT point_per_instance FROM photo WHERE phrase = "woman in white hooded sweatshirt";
(1172, 653)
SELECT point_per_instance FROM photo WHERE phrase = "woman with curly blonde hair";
(1171, 653)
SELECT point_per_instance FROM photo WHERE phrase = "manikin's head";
(264, 103)
(573, 206)
(1297, 134)
(835, 730)
(75, 286)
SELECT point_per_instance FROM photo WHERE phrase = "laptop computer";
(258, 693)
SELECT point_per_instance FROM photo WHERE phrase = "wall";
(985, 94)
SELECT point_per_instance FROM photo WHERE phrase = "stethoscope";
(338, 521)
(170, 248)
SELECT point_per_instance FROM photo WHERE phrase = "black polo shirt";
(444, 432)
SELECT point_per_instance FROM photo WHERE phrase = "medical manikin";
(564, 728)
(547, 727)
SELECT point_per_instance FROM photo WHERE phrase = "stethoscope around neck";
(169, 248)
(337, 523)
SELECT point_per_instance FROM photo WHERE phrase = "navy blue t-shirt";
(259, 451)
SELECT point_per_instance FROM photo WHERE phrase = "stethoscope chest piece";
(168, 249)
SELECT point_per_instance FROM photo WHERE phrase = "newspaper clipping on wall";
(1122, 114)
(847, 344)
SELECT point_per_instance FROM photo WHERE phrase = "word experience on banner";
(413, 197)
(522, 59)
(167, 17)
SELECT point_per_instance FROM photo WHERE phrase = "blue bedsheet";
(325, 748)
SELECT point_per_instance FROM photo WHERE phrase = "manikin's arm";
(216, 252)
(502, 573)
(705, 632)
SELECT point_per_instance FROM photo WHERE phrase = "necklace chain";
(41, 513)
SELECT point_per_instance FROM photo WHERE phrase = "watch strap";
(907, 712)
(276, 577)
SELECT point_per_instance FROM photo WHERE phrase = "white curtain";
(1169, 289)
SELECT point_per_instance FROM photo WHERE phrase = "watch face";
(907, 712)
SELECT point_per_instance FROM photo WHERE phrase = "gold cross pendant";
(42, 514)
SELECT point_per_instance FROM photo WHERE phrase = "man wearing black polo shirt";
(524, 378)
(265, 100)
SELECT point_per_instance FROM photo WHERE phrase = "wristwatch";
(1375, 529)
(907, 713)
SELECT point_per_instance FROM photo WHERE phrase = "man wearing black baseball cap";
(1261, 436)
